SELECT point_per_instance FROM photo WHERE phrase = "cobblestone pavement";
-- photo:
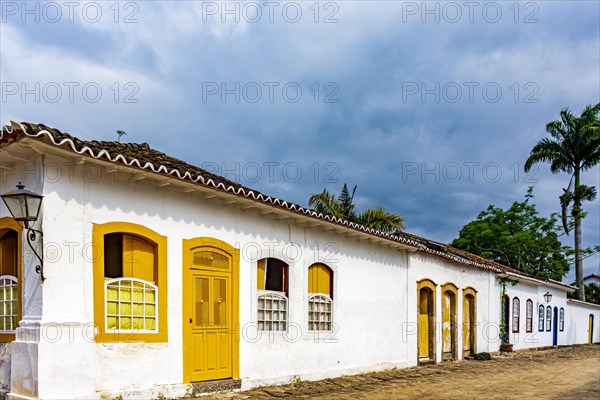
(559, 373)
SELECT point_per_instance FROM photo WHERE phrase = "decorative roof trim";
(210, 183)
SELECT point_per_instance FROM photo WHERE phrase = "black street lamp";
(547, 297)
(24, 205)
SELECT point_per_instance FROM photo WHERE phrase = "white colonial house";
(161, 279)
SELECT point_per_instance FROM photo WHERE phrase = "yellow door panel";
(423, 325)
(467, 304)
(423, 335)
(446, 325)
(208, 316)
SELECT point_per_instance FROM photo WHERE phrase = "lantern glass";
(24, 205)
(547, 297)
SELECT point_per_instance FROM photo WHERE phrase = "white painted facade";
(54, 355)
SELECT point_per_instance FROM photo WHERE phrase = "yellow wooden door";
(591, 330)
(423, 324)
(208, 329)
(446, 324)
(467, 310)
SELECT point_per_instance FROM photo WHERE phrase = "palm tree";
(343, 207)
(573, 148)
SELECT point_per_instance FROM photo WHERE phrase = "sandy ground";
(559, 373)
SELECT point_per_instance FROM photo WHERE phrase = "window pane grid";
(9, 303)
(272, 312)
(529, 316)
(131, 306)
(541, 318)
(548, 318)
(319, 313)
(561, 321)
(516, 310)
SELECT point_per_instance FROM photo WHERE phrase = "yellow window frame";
(10, 223)
(98, 233)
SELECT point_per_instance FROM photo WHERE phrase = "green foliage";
(592, 293)
(343, 207)
(574, 147)
(518, 238)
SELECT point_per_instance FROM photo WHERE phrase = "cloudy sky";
(429, 107)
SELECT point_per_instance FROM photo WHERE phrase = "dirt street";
(560, 373)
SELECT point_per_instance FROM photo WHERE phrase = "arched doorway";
(449, 321)
(469, 321)
(426, 320)
(210, 310)
(505, 338)
(555, 327)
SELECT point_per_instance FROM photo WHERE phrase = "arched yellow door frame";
(7, 223)
(469, 320)
(449, 320)
(426, 319)
(193, 272)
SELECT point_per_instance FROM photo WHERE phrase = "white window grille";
(131, 306)
(529, 316)
(319, 312)
(561, 321)
(9, 303)
(516, 315)
(272, 311)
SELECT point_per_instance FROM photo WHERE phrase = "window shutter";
(138, 258)
(319, 279)
(260, 276)
(8, 256)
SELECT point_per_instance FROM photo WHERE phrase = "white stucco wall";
(375, 290)
(577, 316)
(368, 289)
(535, 338)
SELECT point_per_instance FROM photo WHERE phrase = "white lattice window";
(131, 305)
(319, 312)
(272, 311)
(561, 320)
(9, 303)
(529, 316)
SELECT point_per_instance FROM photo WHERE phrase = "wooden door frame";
(469, 291)
(453, 290)
(187, 246)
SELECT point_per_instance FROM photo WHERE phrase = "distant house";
(592, 278)
(163, 280)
